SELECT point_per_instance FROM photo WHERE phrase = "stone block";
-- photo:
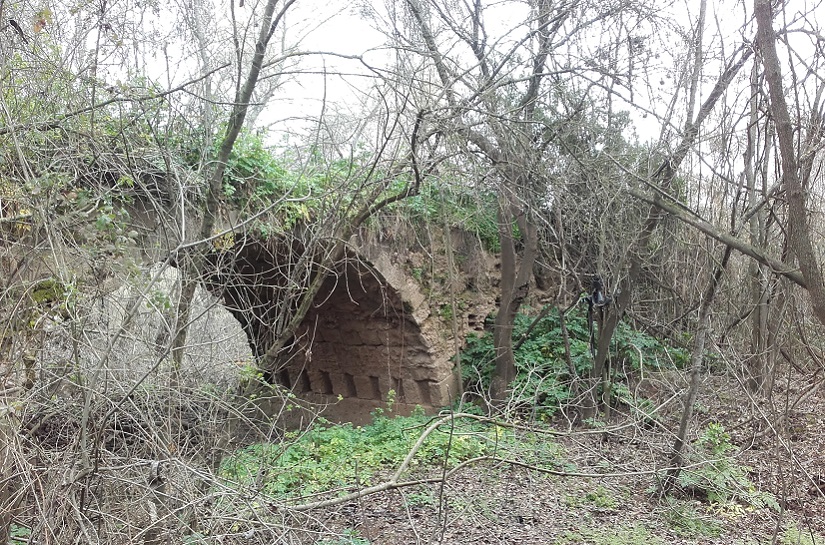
(412, 393)
(371, 337)
(323, 356)
(352, 338)
(360, 360)
(332, 336)
(420, 371)
(419, 358)
(384, 385)
(444, 392)
(320, 382)
(349, 385)
(339, 386)
(363, 387)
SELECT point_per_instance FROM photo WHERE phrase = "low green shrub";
(686, 520)
(717, 476)
(543, 371)
(19, 534)
(600, 497)
(330, 457)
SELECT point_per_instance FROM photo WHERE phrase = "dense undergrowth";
(546, 366)
(331, 460)
(341, 456)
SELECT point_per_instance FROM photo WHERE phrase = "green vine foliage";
(303, 189)
(253, 173)
(441, 202)
(295, 191)
(543, 372)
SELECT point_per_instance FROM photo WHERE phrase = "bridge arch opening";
(362, 342)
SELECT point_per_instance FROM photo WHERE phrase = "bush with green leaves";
(543, 373)
(291, 190)
(337, 457)
(455, 205)
(540, 360)
(716, 475)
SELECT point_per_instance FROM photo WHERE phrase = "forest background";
(671, 150)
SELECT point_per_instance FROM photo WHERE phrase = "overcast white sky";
(339, 31)
(321, 25)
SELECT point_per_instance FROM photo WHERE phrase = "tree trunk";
(190, 268)
(757, 361)
(599, 372)
(663, 177)
(515, 284)
(10, 494)
(799, 235)
(510, 153)
(697, 355)
(505, 362)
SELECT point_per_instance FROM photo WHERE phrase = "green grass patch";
(794, 535)
(620, 535)
(339, 457)
(687, 519)
(599, 497)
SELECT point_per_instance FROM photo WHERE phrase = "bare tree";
(510, 97)
(662, 179)
(799, 231)
(269, 24)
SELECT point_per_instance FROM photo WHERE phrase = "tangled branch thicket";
(138, 345)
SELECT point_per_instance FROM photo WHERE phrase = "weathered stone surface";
(364, 387)
(371, 336)
(380, 323)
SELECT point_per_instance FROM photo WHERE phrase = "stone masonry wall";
(363, 340)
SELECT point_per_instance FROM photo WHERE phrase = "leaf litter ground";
(778, 443)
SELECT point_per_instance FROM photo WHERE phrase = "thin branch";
(55, 124)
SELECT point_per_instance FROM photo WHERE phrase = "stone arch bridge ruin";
(377, 325)
(370, 331)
